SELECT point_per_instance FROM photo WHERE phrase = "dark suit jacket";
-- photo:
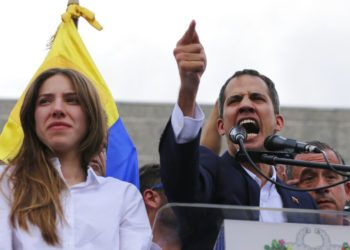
(194, 174)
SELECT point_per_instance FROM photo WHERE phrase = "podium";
(207, 226)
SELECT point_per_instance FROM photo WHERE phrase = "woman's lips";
(58, 125)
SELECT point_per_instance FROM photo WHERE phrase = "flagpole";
(77, 3)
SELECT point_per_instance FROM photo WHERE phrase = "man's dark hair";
(269, 83)
(149, 176)
(321, 146)
(324, 146)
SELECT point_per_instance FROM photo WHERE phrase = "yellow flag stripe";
(67, 51)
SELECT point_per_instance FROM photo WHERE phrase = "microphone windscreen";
(274, 142)
(237, 133)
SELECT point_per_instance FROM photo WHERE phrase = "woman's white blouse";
(100, 213)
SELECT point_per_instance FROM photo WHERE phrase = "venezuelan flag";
(68, 51)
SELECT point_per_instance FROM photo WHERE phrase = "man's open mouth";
(251, 126)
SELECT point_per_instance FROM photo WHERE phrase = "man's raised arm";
(191, 61)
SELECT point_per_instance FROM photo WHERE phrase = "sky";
(302, 45)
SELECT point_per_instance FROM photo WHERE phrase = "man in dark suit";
(191, 173)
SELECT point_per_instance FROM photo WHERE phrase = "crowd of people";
(54, 193)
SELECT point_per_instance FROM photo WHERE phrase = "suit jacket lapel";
(289, 200)
(251, 188)
(292, 200)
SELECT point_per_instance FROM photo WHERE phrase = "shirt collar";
(257, 179)
(91, 179)
(57, 165)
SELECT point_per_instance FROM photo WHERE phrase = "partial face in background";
(281, 172)
(99, 161)
(60, 122)
(328, 199)
(248, 104)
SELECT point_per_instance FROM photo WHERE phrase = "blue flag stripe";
(121, 155)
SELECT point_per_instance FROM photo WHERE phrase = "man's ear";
(152, 199)
(220, 126)
(279, 122)
(347, 190)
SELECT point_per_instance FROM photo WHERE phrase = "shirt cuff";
(186, 128)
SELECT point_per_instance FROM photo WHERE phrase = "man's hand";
(98, 163)
(293, 182)
(210, 136)
(191, 61)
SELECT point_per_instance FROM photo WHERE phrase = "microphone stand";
(285, 158)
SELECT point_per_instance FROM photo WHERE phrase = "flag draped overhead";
(68, 51)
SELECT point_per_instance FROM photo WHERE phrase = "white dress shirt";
(187, 128)
(100, 213)
(269, 197)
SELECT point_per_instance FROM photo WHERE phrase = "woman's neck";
(71, 168)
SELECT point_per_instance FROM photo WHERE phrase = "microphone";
(238, 133)
(277, 143)
(261, 156)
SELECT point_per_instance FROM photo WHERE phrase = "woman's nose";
(58, 109)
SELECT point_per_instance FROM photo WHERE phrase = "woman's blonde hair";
(36, 184)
